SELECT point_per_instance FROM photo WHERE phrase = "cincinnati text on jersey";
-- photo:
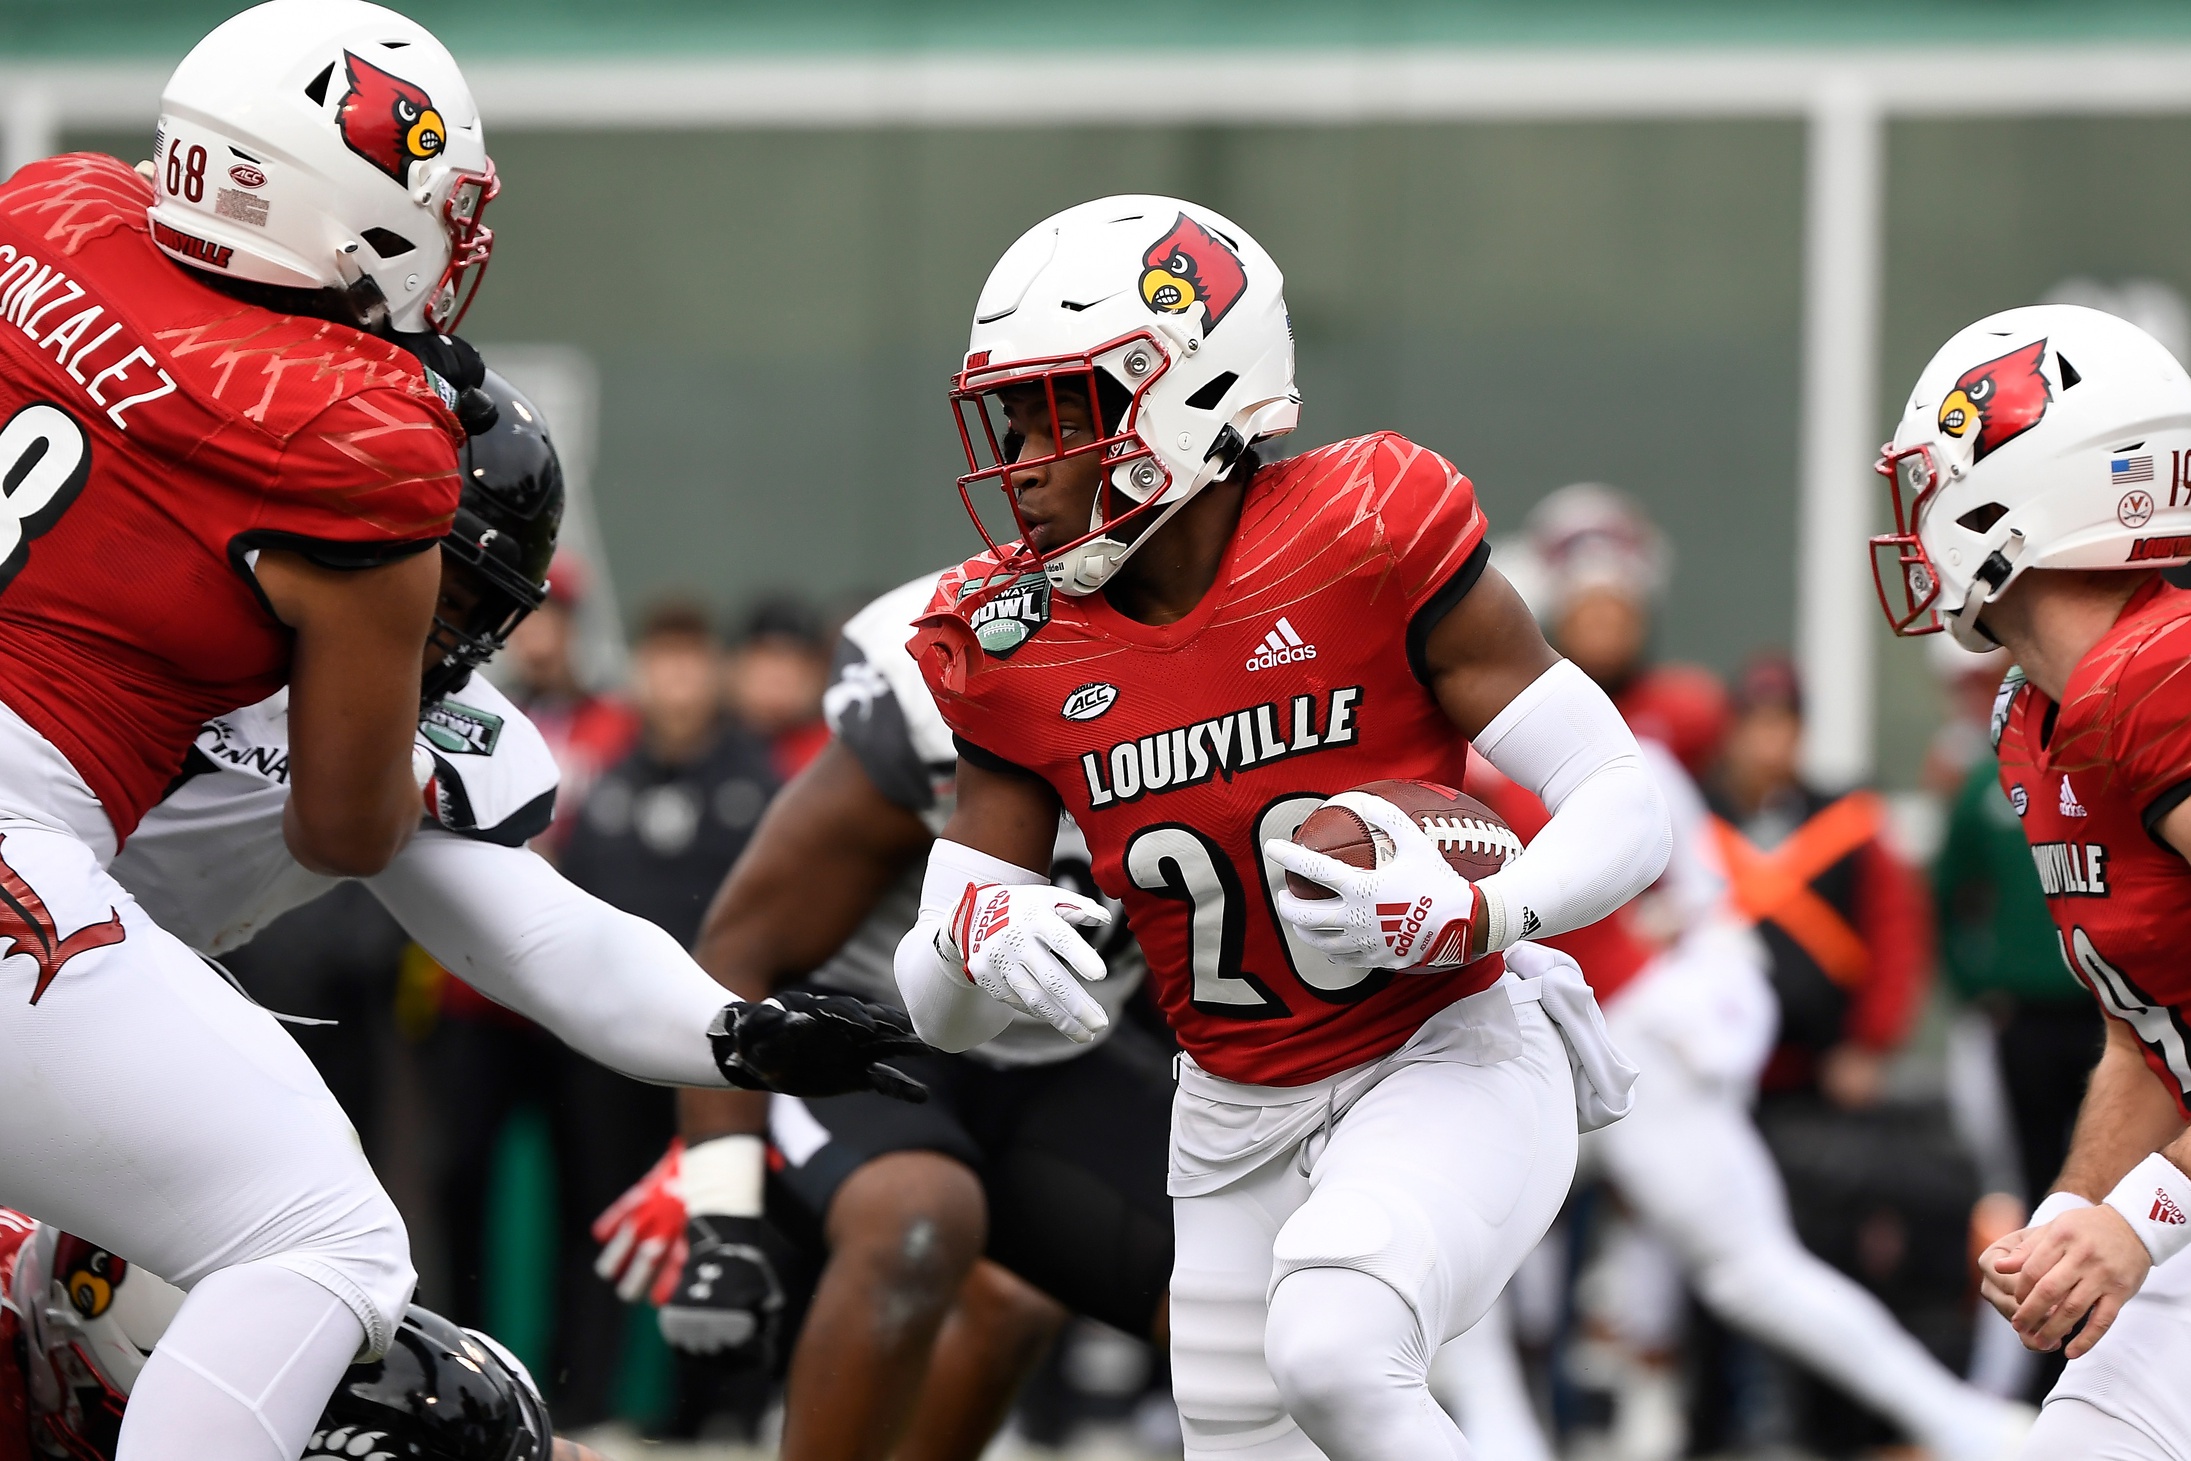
(223, 742)
(2071, 869)
(1189, 755)
(32, 291)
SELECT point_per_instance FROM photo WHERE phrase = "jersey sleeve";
(878, 705)
(494, 777)
(370, 479)
(1437, 532)
(2152, 744)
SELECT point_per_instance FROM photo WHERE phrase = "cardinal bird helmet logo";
(1190, 266)
(89, 1275)
(389, 122)
(2001, 400)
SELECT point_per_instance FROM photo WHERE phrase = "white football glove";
(1018, 945)
(1409, 912)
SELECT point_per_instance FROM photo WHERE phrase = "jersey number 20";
(1173, 860)
(45, 459)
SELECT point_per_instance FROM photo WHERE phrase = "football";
(1475, 840)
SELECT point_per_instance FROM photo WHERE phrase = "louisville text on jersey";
(2071, 869)
(1189, 755)
(33, 292)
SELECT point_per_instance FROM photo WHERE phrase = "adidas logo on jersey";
(2165, 1210)
(1282, 646)
(2071, 807)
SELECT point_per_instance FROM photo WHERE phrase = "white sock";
(244, 1371)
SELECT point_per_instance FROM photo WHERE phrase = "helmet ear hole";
(1214, 391)
(388, 243)
(1112, 401)
(1982, 517)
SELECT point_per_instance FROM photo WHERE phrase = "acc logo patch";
(2019, 799)
(1190, 266)
(1089, 701)
(247, 176)
(1999, 400)
(388, 121)
(461, 730)
(1010, 619)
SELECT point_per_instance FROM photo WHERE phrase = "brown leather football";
(1475, 840)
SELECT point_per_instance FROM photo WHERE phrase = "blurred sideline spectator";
(1848, 928)
(655, 837)
(773, 680)
(587, 732)
(1595, 569)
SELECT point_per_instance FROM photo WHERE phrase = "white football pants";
(1306, 1307)
(2129, 1399)
(1691, 1164)
(148, 1107)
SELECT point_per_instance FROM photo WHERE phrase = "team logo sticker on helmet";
(2135, 510)
(1190, 266)
(2001, 399)
(89, 1275)
(389, 122)
(1010, 619)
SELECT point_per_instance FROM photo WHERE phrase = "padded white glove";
(1019, 946)
(1411, 911)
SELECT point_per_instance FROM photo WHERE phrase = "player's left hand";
(1410, 912)
(642, 1233)
(2080, 1268)
(798, 1043)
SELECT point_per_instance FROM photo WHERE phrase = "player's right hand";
(642, 1234)
(1020, 945)
(728, 1300)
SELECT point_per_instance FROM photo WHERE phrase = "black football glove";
(804, 1044)
(729, 1299)
(457, 363)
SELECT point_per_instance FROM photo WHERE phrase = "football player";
(1044, 1154)
(76, 1323)
(2028, 472)
(1189, 652)
(1683, 979)
(222, 470)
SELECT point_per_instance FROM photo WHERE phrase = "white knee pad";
(364, 1259)
(1378, 1230)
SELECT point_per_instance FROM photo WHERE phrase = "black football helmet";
(441, 1393)
(504, 535)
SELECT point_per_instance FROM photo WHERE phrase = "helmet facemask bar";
(471, 244)
(502, 604)
(1913, 478)
(977, 396)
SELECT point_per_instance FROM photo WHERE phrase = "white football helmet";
(90, 1322)
(2051, 436)
(1178, 310)
(327, 144)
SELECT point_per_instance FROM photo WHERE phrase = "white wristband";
(2155, 1199)
(2055, 1205)
(722, 1177)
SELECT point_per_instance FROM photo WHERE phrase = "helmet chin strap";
(1081, 571)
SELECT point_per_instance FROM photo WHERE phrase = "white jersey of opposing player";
(209, 863)
(880, 709)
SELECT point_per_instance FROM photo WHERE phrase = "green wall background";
(775, 314)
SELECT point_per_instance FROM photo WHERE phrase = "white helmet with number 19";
(1172, 322)
(2052, 436)
(327, 144)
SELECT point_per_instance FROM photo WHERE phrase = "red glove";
(643, 1233)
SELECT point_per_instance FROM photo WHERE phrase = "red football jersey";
(154, 433)
(2091, 787)
(1181, 748)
